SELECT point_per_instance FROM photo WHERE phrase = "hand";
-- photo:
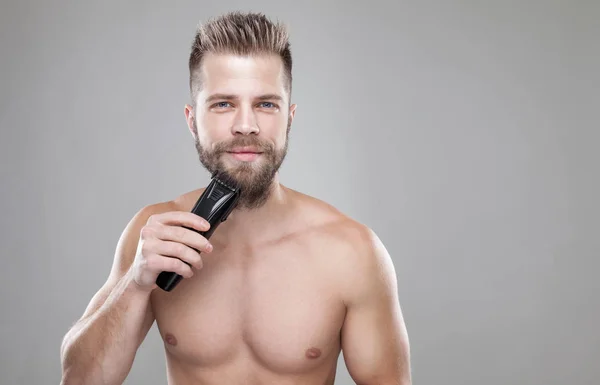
(168, 243)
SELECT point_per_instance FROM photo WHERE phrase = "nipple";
(313, 353)
(170, 339)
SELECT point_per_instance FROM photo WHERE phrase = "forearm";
(101, 348)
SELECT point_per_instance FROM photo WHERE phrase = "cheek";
(273, 127)
(215, 127)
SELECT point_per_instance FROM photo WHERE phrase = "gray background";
(464, 133)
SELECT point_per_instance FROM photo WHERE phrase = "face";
(241, 121)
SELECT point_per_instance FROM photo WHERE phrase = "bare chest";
(279, 308)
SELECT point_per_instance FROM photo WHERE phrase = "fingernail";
(209, 247)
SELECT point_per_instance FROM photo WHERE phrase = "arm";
(101, 346)
(374, 337)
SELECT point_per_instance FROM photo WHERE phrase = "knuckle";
(206, 245)
(179, 249)
(174, 264)
(196, 222)
(195, 259)
(183, 269)
(152, 262)
(190, 269)
(179, 233)
(146, 247)
(186, 271)
(142, 263)
(202, 223)
(146, 232)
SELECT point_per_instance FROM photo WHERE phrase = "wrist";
(132, 285)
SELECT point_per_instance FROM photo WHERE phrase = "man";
(285, 283)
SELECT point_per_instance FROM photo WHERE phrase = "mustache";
(243, 141)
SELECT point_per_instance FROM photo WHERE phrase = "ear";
(189, 118)
(292, 113)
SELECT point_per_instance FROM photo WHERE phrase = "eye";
(268, 105)
(221, 104)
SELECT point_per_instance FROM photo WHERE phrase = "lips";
(245, 150)
(246, 154)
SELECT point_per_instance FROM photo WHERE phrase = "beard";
(254, 179)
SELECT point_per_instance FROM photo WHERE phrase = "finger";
(180, 218)
(160, 263)
(183, 235)
(175, 250)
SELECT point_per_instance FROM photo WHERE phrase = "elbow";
(68, 379)
(73, 376)
(73, 371)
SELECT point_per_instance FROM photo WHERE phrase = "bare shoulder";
(186, 201)
(357, 256)
(127, 244)
(333, 226)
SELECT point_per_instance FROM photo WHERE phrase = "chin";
(242, 167)
(241, 172)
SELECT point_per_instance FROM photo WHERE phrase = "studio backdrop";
(465, 134)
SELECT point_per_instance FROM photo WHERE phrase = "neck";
(247, 225)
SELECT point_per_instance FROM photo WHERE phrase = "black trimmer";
(214, 205)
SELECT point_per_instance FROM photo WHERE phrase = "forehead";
(242, 74)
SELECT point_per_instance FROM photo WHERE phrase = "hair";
(242, 34)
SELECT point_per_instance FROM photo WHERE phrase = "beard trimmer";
(215, 204)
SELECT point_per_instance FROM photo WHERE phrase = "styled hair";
(243, 34)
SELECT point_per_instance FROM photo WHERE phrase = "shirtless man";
(285, 283)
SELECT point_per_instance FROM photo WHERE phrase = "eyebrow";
(235, 97)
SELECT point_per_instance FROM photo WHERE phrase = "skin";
(284, 289)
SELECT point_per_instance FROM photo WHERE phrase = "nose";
(245, 122)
